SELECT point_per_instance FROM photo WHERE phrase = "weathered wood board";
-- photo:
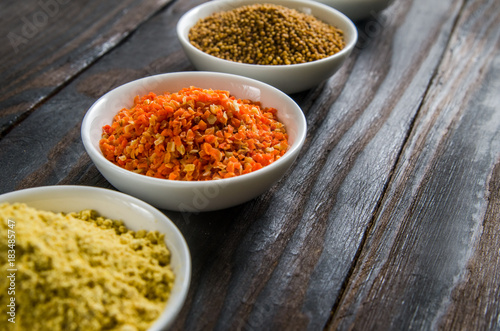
(433, 250)
(46, 43)
(389, 219)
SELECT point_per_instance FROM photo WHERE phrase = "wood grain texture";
(389, 217)
(45, 148)
(46, 43)
(431, 258)
(289, 267)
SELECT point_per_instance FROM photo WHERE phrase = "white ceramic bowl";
(358, 9)
(134, 213)
(194, 196)
(288, 78)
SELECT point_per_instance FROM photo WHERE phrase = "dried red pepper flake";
(193, 135)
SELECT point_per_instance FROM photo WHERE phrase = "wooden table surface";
(388, 220)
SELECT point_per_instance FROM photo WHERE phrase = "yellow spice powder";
(81, 271)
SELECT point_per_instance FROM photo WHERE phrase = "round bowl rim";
(291, 152)
(344, 51)
(167, 317)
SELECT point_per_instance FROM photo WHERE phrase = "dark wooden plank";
(285, 269)
(281, 260)
(47, 42)
(45, 148)
(431, 259)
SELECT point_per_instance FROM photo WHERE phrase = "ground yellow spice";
(81, 271)
(266, 34)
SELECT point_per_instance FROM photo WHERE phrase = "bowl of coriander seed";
(293, 45)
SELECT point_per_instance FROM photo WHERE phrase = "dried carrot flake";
(194, 134)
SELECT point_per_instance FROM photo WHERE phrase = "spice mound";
(194, 135)
(81, 271)
(266, 34)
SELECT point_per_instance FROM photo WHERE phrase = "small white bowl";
(358, 9)
(194, 196)
(134, 213)
(288, 78)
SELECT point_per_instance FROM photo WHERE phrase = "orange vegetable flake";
(194, 134)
